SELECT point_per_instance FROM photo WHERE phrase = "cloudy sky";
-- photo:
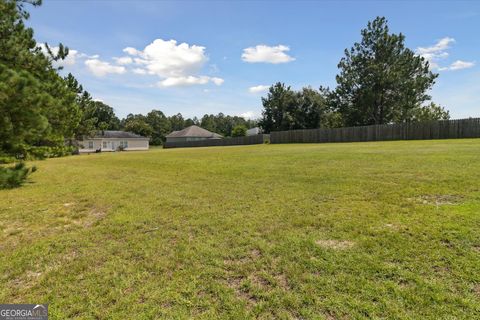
(209, 57)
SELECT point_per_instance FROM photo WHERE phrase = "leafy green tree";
(311, 109)
(239, 131)
(160, 126)
(177, 122)
(208, 123)
(381, 81)
(285, 109)
(103, 116)
(224, 124)
(431, 112)
(278, 107)
(137, 124)
(191, 121)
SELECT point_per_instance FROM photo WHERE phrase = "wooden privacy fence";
(443, 129)
(256, 139)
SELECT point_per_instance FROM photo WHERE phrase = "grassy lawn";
(303, 231)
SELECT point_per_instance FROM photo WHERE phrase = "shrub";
(44, 152)
(6, 159)
(239, 131)
(12, 177)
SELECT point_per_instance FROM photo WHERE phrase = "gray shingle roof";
(112, 134)
(194, 131)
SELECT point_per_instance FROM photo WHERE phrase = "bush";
(6, 159)
(33, 153)
(239, 131)
(12, 177)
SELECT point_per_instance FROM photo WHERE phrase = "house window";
(104, 144)
(124, 144)
(90, 144)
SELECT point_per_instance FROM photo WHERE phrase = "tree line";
(380, 81)
(97, 116)
(156, 125)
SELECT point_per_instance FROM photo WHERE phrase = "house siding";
(133, 144)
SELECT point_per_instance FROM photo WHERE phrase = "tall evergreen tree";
(380, 80)
(37, 108)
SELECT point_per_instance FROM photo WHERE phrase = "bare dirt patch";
(241, 292)
(438, 199)
(476, 289)
(259, 281)
(335, 244)
(282, 281)
(87, 218)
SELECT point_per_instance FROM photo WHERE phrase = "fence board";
(256, 139)
(443, 129)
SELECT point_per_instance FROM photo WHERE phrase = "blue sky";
(209, 57)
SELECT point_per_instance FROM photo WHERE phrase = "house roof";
(193, 131)
(113, 134)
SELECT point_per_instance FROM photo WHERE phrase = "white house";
(254, 131)
(108, 140)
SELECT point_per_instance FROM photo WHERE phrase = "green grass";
(302, 231)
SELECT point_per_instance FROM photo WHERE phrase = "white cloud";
(139, 71)
(438, 48)
(167, 59)
(177, 64)
(438, 52)
(258, 89)
(123, 60)
(248, 115)
(188, 81)
(264, 53)
(102, 68)
(217, 81)
(459, 64)
(131, 51)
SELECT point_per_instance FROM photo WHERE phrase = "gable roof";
(113, 134)
(194, 131)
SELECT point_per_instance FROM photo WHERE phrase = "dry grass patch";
(30, 278)
(438, 199)
(335, 244)
(476, 289)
